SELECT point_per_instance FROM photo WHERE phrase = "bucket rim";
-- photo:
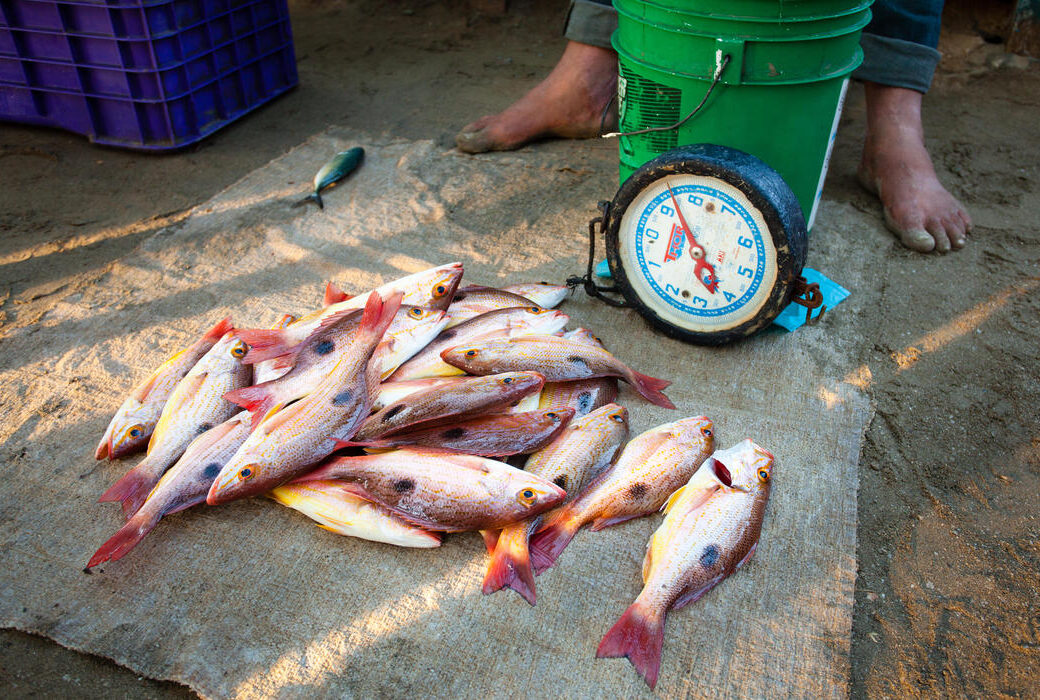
(864, 5)
(853, 63)
(858, 26)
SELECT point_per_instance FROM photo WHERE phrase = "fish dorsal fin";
(277, 417)
(463, 461)
(217, 331)
(334, 319)
(334, 295)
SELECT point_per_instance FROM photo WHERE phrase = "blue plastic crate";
(147, 75)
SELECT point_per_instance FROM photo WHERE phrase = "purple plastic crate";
(147, 75)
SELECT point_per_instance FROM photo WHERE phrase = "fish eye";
(135, 431)
(763, 475)
(552, 414)
(439, 290)
(535, 309)
(416, 312)
(617, 418)
(528, 493)
(471, 353)
(507, 380)
(706, 432)
(247, 473)
(525, 497)
(239, 349)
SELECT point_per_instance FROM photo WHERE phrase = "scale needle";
(697, 252)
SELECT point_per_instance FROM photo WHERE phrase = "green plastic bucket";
(778, 98)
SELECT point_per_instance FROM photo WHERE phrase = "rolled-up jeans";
(899, 44)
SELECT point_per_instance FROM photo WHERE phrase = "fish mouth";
(722, 473)
(104, 448)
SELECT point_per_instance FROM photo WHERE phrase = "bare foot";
(568, 104)
(897, 168)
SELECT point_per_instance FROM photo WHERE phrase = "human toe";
(917, 239)
(955, 231)
(934, 226)
(474, 141)
(911, 233)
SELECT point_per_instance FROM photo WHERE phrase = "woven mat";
(251, 600)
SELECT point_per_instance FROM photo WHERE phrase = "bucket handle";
(721, 61)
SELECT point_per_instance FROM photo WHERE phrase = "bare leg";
(568, 104)
(897, 168)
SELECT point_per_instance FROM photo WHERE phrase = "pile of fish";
(424, 407)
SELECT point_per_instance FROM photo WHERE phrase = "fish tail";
(552, 538)
(650, 388)
(333, 295)
(378, 315)
(638, 635)
(126, 538)
(133, 489)
(510, 565)
(265, 344)
(258, 400)
(217, 332)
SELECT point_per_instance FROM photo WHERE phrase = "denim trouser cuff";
(897, 62)
(590, 22)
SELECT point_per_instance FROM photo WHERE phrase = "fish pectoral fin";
(361, 492)
(141, 392)
(673, 499)
(276, 418)
(185, 391)
(600, 523)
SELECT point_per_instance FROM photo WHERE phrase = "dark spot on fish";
(402, 485)
(342, 398)
(211, 470)
(584, 402)
(709, 556)
(459, 296)
(561, 481)
(580, 362)
(392, 412)
(204, 427)
(324, 347)
(447, 335)
(637, 490)
(453, 433)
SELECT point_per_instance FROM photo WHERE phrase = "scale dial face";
(661, 263)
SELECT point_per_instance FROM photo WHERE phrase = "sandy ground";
(947, 596)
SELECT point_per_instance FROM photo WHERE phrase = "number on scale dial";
(698, 252)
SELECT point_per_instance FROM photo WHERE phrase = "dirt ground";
(947, 600)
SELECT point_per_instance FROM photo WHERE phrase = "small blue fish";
(341, 165)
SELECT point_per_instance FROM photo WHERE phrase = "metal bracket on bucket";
(733, 50)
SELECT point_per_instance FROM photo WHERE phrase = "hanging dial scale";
(706, 242)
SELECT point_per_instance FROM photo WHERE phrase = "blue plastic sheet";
(833, 294)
